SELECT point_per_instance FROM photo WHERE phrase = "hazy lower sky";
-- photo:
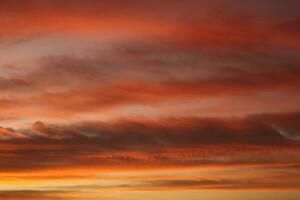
(156, 99)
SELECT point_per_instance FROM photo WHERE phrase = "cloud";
(78, 67)
(31, 194)
(144, 59)
(212, 22)
(60, 81)
(211, 184)
(172, 142)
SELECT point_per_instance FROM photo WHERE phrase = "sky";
(149, 99)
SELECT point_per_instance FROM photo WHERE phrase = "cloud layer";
(111, 99)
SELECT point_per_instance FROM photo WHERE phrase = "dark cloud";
(127, 143)
(215, 184)
(8, 84)
(31, 195)
(195, 184)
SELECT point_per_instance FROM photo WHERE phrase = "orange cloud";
(77, 67)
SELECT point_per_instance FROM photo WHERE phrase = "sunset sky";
(149, 99)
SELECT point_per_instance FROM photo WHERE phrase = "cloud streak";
(172, 142)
